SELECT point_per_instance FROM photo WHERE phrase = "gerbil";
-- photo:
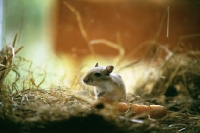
(107, 85)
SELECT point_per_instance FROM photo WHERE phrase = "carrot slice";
(152, 111)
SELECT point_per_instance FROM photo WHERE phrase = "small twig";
(168, 9)
(110, 44)
(81, 27)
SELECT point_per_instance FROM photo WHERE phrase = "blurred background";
(128, 23)
(32, 21)
(64, 35)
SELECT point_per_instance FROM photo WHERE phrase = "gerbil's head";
(97, 75)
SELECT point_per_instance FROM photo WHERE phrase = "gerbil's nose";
(85, 79)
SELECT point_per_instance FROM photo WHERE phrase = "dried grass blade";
(14, 41)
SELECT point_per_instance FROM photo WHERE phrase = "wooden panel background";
(129, 22)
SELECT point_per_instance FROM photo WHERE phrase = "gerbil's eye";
(97, 74)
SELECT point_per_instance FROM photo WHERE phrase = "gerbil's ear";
(109, 69)
(96, 65)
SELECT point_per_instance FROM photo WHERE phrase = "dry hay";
(58, 109)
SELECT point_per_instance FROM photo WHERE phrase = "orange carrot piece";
(152, 111)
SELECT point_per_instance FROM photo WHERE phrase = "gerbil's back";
(117, 79)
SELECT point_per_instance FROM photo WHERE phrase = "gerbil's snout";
(86, 79)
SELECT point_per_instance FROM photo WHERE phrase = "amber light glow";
(121, 32)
